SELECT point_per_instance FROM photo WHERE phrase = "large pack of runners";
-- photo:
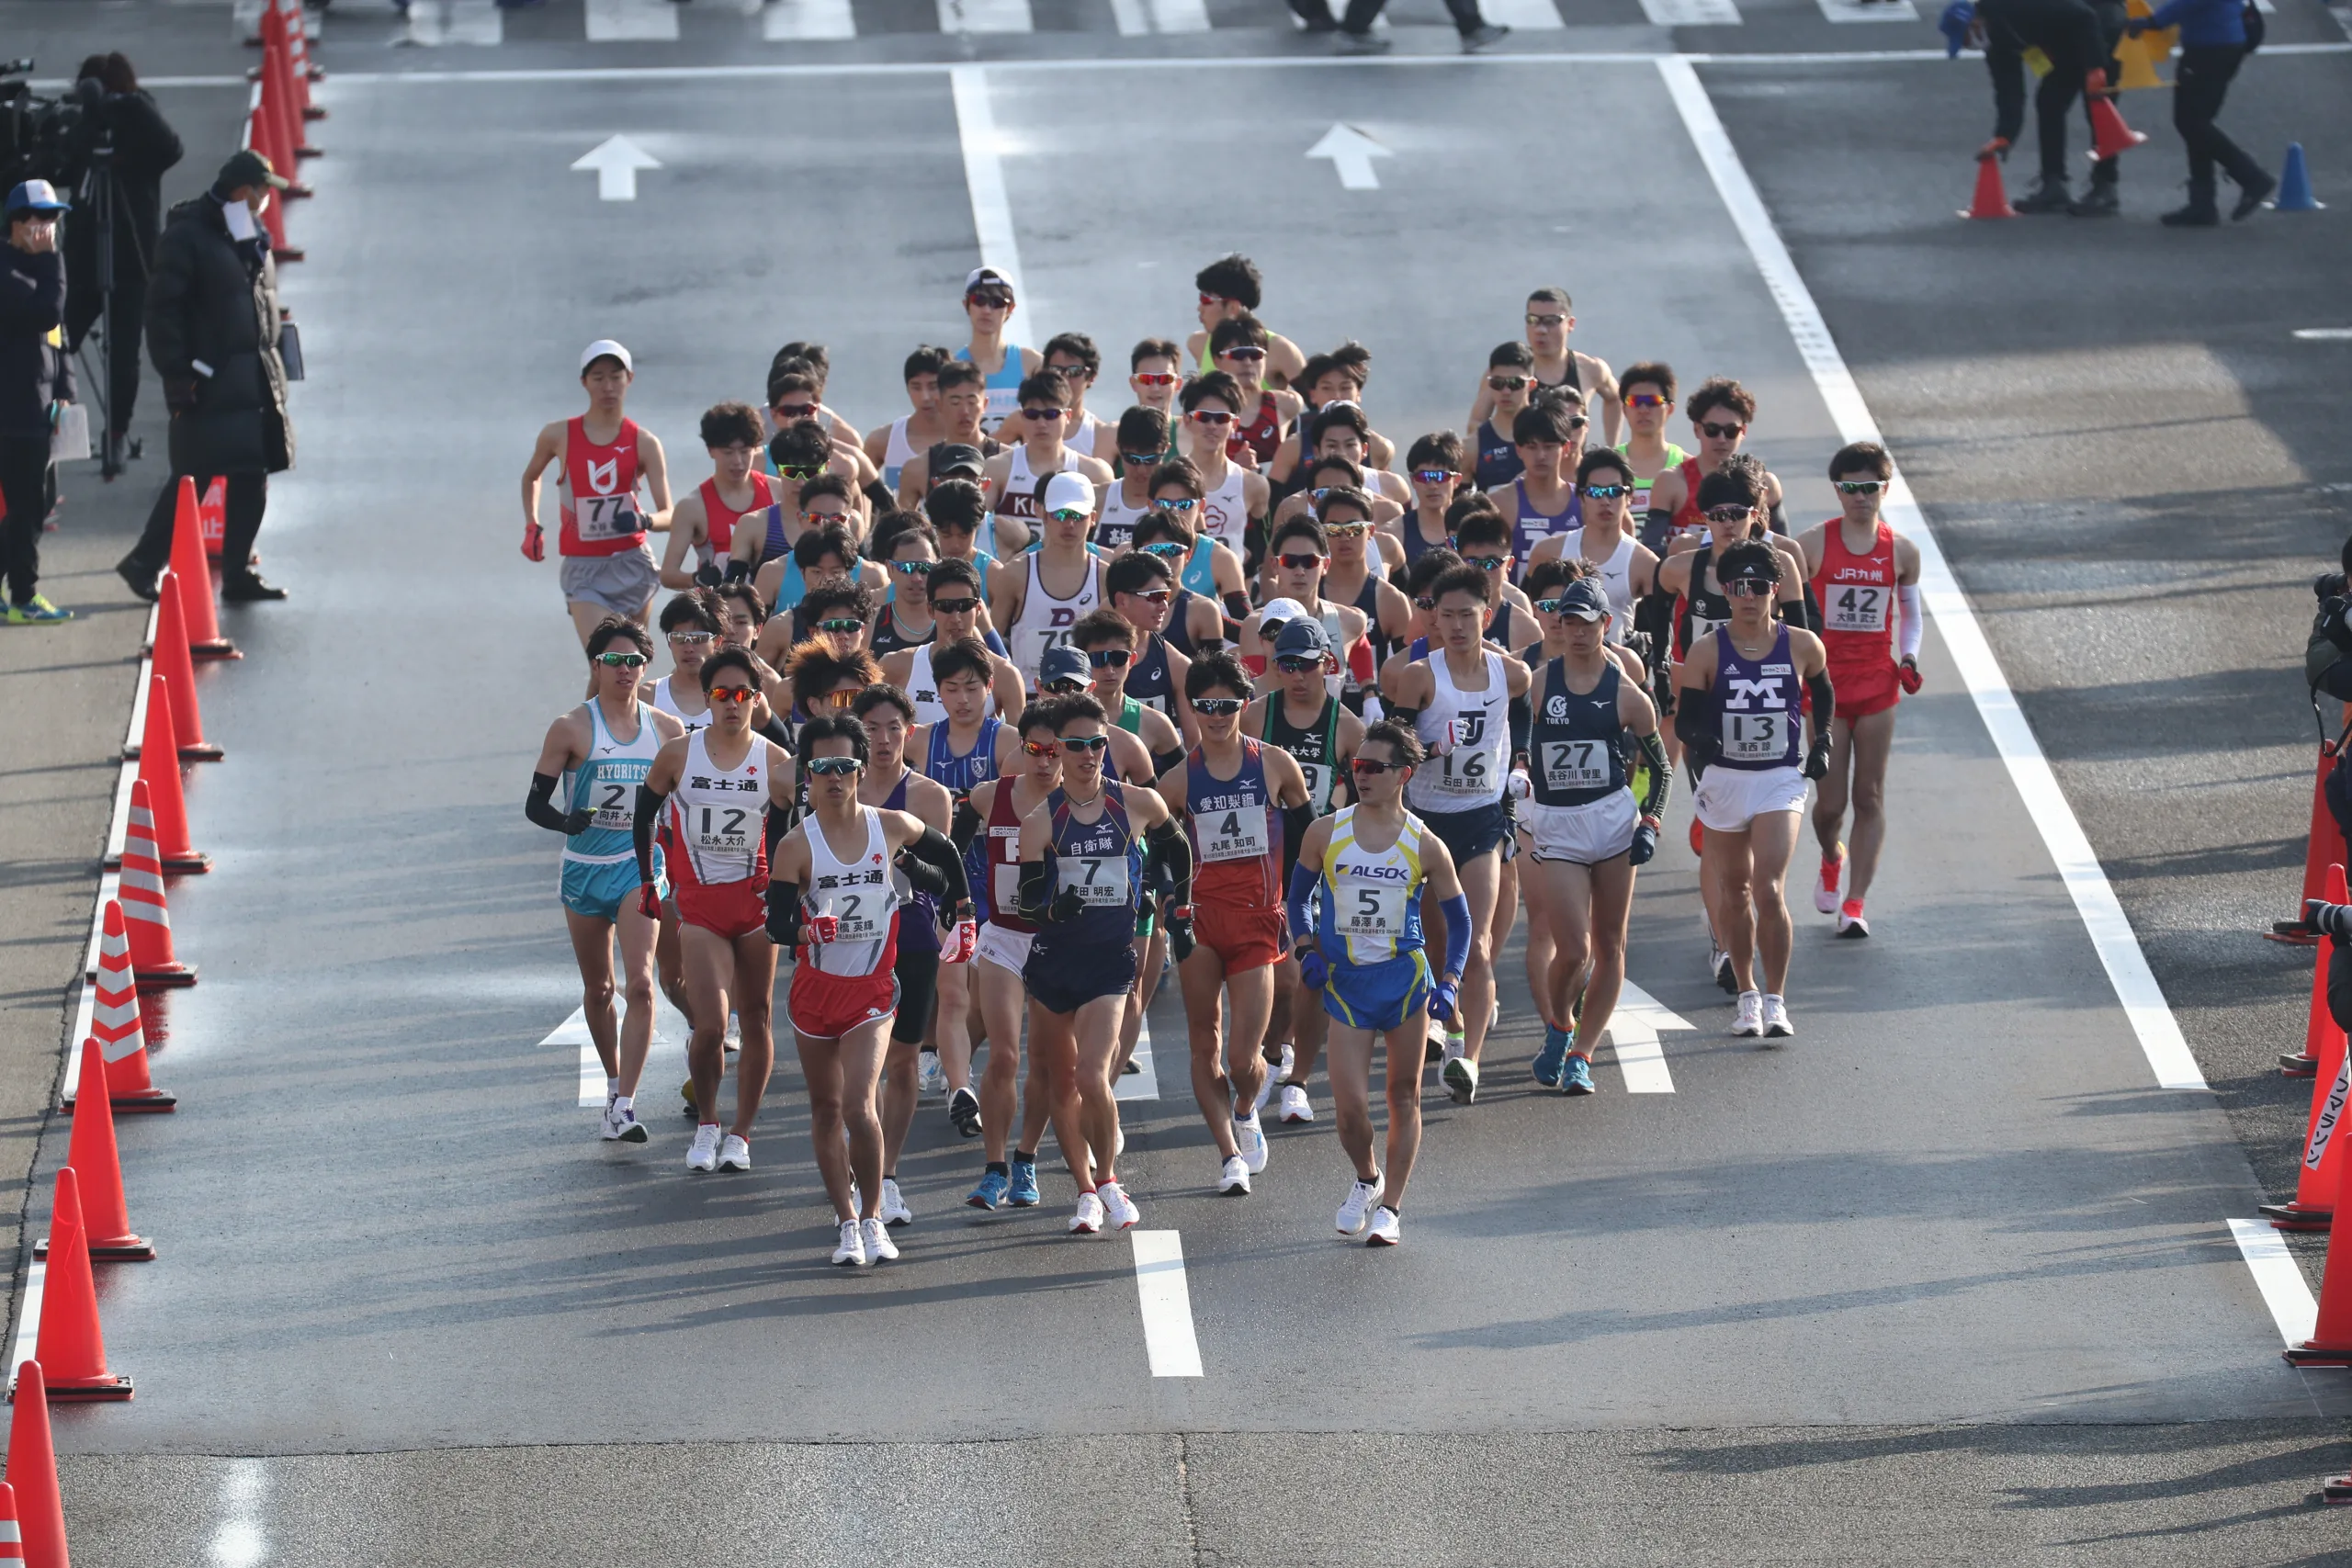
(987, 718)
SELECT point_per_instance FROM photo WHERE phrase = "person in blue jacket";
(2213, 44)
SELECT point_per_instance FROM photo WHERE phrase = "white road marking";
(1351, 153)
(985, 17)
(1690, 12)
(238, 1540)
(1869, 10)
(1166, 1304)
(1633, 1035)
(630, 21)
(789, 19)
(1178, 16)
(2324, 334)
(1144, 1082)
(2278, 1278)
(27, 1322)
(1133, 21)
(615, 161)
(437, 22)
(2102, 916)
(1523, 16)
(984, 172)
(669, 1034)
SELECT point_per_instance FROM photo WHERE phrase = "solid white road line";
(2281, 1282)
(1523, 16)
(238, 1541)
(2111, 933)
(1690, 12)
(1869, 10)
(1144, 1082)
(632, 21)
(1166, 1304)
(437, 22)
(2324, 334)
(984, 171)
(986, 16)
(789, 19)
(1633, 1036)
(27, 1322)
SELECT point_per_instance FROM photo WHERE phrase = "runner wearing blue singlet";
(1542, 502)
(1355, 901)
(1511, 384)
(1141, 588)
(600, 752)
(988, 302)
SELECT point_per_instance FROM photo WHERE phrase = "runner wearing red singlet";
(602, 460)
(1236, 794)
(703, 523)
(1240, 346)
(1866, 577)
(722, 796)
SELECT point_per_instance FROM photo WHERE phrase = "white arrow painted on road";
(616, 160)
(1633, 1032)
(668, 1032)
(1351, 153)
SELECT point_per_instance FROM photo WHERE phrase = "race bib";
(1466, 772)
(1318, 780)
(1239, 834)
(1576, 764)
(607, 516)
(1101, 880)
(1857, 607)
(1006, 886)
(615, 799)
(1755, 736)
(857, 913)
(723, 830)
(1369, 912)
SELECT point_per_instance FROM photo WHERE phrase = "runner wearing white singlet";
(892, 446)
(1038, 597)
(1231, 496)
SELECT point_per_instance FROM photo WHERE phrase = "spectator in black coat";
(145, 147)
(36, 376)
(212, 332)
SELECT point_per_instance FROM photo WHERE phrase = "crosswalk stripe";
(1133, 19)
(1869, 10)
(630, 21)
(1523, 16)
(434, 22)
(986, 16)
(1178, 16)
(787, 19)
(1690, 12)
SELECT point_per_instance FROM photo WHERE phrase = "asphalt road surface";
(1950, 1278)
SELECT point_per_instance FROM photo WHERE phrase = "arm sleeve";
(965, 826)
(1657, 528)
(935, 853)
(1297, 820)
(1236, 609)
(539, 805)
(1302, 888)
(1803, 611)
(774, 827)
(1522, 723)
(1661, 774)
(1457, 935)
(1914, 624)
(1778, 518)
(1036, 889)
(1825, 702)
(1694, 725)
(1163, 761)
(649, 812)
(1171, 851)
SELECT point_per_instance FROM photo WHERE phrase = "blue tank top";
(961, 774)
(1415, 546)
(918, 915)
(1004, 387)
(1498, 462)
(1576, 744)
(1529, 524)
(1370, 911)
(606, 783)
(1148, 680)
(1757, 700)
(1102, 859)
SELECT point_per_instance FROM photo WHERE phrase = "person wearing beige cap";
(603, 460)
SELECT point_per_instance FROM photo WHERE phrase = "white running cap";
(982, 276)
(1281, 610)
(605, 347)
(1066, 491)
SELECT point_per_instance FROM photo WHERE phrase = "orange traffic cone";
(2324, 848)
(212, 513)
(159, 770)
(177, 667)
(105, 1220)
(261, 138)
(12, 1535)
(285, 101)
(2109, 135)
(2313, 1205)
(72, 1350)
(2331, 1341)
(298, 55)
(32, 1472)
(117, 1021)
(204, 638)
(1992, 197)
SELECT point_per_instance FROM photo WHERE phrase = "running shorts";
(918, 973)
(1379, 997)
(1244, 938)
(1864, 691)
(1581, 835)
(598, 890)
(729, 908)
(826, 1006)
(623, 583)
(1065, 981)
(1004, 948)
(1468, 834)
(1729, 799)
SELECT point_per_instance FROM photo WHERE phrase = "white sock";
(623, 1103)
(612, 1087)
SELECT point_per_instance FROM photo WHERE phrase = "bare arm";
(546, 449)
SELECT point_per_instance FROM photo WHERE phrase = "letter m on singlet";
(1746, 692)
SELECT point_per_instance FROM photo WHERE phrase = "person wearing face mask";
(212, 332)
(36, 378)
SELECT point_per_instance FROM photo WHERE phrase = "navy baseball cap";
(1301, 638)
(1583, 599)
(37, 196)
(1062, 662)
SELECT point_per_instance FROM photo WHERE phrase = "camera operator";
(36, 375)
(212, 332)
(145, 146)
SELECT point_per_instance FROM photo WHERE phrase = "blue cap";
(1062, 662)
(1583, 599)
(37, 196)
(1301, 638)
(1957, 19)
